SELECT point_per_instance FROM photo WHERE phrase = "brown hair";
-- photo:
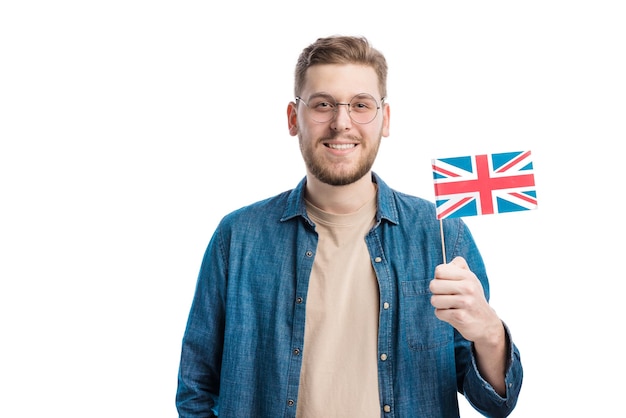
(341, 50)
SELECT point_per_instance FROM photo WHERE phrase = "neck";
(340, 199)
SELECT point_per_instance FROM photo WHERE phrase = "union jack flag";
(484, 184)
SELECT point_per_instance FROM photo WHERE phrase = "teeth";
(341, 146)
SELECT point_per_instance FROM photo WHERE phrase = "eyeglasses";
(323, 108)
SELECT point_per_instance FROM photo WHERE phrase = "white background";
(129, 128)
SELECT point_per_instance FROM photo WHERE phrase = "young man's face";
(339, 151)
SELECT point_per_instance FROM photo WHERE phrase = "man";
(330, 300)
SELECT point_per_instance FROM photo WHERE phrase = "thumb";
(460, 262)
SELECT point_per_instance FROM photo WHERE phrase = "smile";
(340, 146)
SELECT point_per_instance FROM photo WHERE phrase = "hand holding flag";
(459, 299)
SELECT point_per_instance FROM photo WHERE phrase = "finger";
(460, 262)
(440, 286)
(445, 301)
(454, 270)
(449, 271)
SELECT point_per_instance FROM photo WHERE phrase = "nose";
(342, 120)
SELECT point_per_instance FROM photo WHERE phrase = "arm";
(200, 364)
(488, 362)
(459, 299)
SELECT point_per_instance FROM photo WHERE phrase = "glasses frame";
(337, 104)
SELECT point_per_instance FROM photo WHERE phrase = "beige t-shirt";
(339, 376)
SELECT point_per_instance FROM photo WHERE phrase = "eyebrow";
(328, 95)
(321, 94)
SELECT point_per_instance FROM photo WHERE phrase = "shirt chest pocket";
(423, 330)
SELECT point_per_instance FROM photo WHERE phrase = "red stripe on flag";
(438, 169)
(525, 198)
(513, 162)
(454, 207)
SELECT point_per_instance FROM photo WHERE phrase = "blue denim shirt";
(242, 348)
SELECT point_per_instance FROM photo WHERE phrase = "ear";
(386, 114)
(292, 119)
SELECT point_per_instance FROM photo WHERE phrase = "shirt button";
(296, 351)
(386, 305)
(299, 300)
(309, 253)
(387, 408)
(378, 259)
(383, 357)
(290, 402)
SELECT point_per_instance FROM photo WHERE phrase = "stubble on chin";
(330, 173)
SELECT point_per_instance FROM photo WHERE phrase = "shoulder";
(414, 203)
(264, 210)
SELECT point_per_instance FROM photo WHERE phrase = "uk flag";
(484, 184)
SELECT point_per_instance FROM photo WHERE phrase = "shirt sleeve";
(483, 397)
(200, 363)
(479, 393)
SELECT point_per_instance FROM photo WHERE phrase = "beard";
(338, 174)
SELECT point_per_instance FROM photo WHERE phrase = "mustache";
(338, 135)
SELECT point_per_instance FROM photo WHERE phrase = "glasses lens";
(363, 108)
(322, 108)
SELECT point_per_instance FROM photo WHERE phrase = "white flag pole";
(443, 244)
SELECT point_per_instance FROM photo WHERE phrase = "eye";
(362, 105)
(322, 104)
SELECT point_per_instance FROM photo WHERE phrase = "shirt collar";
(386, 204)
